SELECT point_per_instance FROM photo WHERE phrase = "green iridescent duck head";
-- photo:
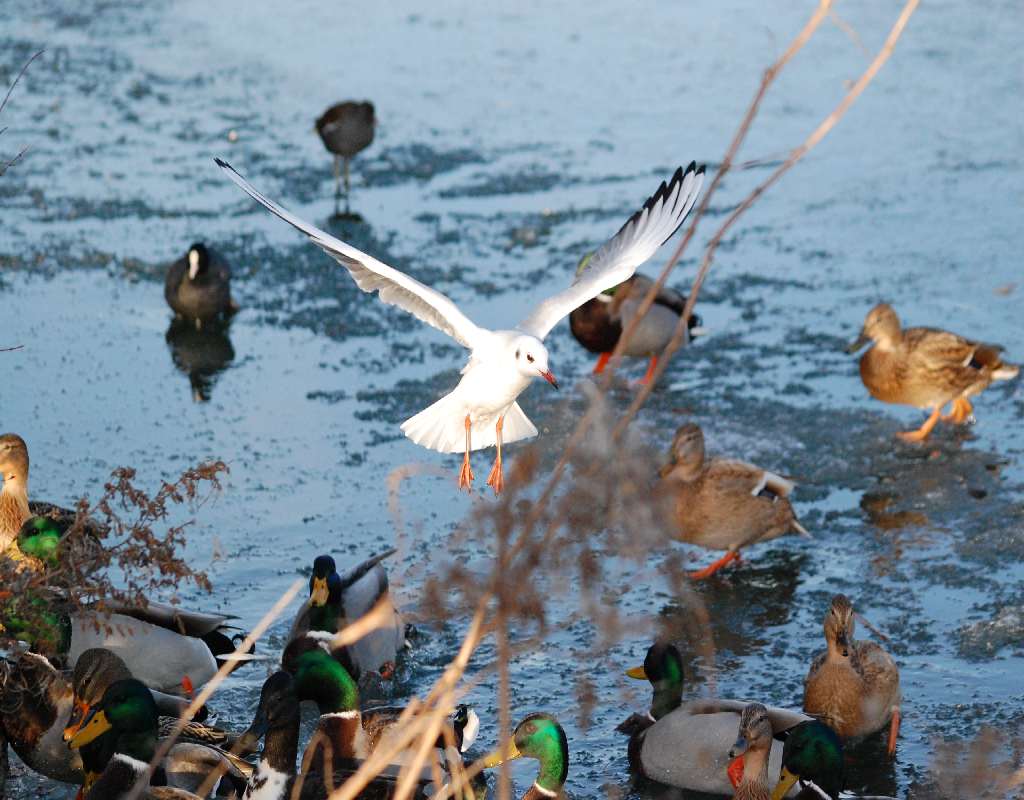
(128, 715)
(663, 667)
(539, 736)
(39, 538)
(320, 677)
(812, 754)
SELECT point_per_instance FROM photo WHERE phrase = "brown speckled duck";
(753, 744)
(853, 687)
(724, 504)
(926, 368)
(685, 744)
(15, 507)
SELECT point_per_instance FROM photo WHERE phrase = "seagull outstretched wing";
(618, 258)
(370, 275)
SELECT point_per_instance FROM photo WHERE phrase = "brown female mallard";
(724, 504)
(853, 687)
(926, 368)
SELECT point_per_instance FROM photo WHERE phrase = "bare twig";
(211, 686)
(798, 153)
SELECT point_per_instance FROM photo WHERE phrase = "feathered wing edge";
(618, 258)
(394, 287)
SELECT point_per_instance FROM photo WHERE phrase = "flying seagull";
(482, 410)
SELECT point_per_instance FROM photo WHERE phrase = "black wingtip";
(700, 170)
(221, 162)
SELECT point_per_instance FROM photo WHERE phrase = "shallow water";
(509, 143)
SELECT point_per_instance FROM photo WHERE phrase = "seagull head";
(531, 357)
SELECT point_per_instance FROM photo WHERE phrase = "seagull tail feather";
(441, 427)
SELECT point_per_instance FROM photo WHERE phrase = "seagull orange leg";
(602, 362)
(495, 480)
(894, 729)
(711, 569)
(466, 474)
(646, 379)
(922, 433)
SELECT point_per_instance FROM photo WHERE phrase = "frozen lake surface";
(510, 143)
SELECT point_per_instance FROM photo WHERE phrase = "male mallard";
(198, 286)
(335, 601)
(538, 736)
(122, 730)
(339, 742)
(812, 755)
(165, 647)
(926, 368)
(346, 129)
(598, 323)
(685, 744)
(38, 705)
(853, 686)
(724, 504)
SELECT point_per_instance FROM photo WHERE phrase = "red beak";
(549, 378)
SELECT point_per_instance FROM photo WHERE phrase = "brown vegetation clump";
(110, 556)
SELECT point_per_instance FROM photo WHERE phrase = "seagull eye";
(529, 358)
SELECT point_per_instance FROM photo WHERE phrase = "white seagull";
(482, 410)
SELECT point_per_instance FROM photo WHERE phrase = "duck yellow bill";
(94, 727)
(318, 597)
(495, 759)
(637, 673)
(786, 781)
(78, 716)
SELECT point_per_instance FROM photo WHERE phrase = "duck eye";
(517, 355)
(529, 358)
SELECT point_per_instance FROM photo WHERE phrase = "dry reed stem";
(11, 349)
(798, 153)
(377, 617)
(409, 725)
(442, 693)
(211, 686)
(584, 424)
(770, 74)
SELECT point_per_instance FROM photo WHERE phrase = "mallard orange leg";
(894, 729)
(921, 433)
(711, 569)
(960, 412)
(495, 479)
(646, 379)
(466, 474)
(602, 362)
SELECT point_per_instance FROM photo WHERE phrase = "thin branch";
(24, 69)
(200, 699)
(798, 153)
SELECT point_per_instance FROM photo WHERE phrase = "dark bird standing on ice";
(346, 129)
(198, 286)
